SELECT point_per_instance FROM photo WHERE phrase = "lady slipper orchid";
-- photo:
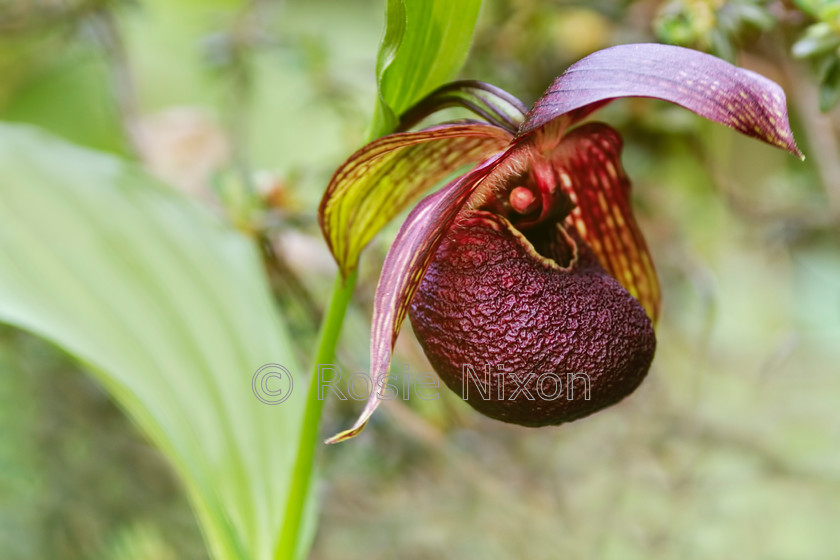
(527, 279)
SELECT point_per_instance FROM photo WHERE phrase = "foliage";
(424, 45)
(119, 271)
(712, 25)
(820, 43)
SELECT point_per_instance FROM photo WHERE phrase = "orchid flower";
(529, 268)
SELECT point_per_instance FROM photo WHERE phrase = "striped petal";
(493, 104)
(388, 175)
(702, 83)
(404, 267)
(588, 165)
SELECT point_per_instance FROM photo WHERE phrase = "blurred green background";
(730, 449)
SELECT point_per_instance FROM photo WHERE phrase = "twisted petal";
(407, 261)
(493, 104)
(588, 164)
(702, 83)
(388, 175)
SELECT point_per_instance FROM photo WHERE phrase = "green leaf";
(169, 309)
(810, 7)
(819, 39)
(424, 46)
(829, 92)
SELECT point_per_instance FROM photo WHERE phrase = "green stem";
(328, 338)
(301, 478)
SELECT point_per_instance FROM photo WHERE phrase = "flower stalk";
(302, 475)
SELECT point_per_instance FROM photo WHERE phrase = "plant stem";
(302, 475)
(327, 340)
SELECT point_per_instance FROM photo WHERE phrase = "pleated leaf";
(169, 310)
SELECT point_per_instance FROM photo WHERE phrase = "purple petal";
(702, 83)
(407, 261)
